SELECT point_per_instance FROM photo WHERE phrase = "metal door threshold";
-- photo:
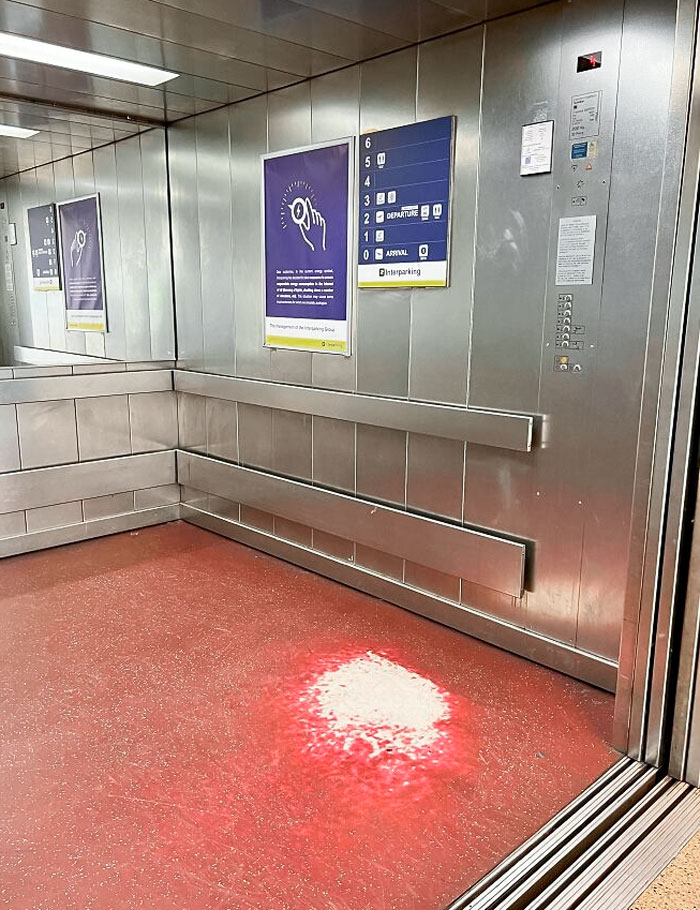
(600, 852)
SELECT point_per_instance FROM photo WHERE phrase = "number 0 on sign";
(405, 205)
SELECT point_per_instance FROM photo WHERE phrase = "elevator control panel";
(569, 336)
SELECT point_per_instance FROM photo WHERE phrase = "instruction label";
(576, 250)
(585, 115)
(536, 148)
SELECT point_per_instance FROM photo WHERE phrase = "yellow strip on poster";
(316, 344)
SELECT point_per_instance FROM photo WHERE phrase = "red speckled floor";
(186, 723)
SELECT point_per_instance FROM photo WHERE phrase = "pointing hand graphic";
(311, 223)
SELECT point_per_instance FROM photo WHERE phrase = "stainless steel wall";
(84, 454)
(131, 179)
(487, 342)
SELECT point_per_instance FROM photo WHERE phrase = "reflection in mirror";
(117, 267)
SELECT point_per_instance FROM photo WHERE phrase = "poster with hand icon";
(307, 250)
(80, 233)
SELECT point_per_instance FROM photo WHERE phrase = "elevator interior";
(470, 461)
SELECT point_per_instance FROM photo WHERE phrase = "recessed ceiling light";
(82, 61)
(17, 132)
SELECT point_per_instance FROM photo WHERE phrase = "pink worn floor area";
(187, 723)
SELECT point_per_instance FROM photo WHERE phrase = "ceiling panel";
(223, 51)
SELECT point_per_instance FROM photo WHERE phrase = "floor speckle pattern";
(678, 886)
(187, 723)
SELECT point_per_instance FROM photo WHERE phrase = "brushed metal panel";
(620, 354)
(387, 99)
(333, 545)
(132, 238)
(288, 127)
(248, 127)
(105, 165)
(334, 453)
(9, 439)
(106, 506)
(103, 427)
(335, 113)
(495, 603)
(292, 530)
(588, 667)
(449, 83)
(12, 524)
(84, 173)
(380, 562)
(255, 436)
(511, 431)
(495, 562)
(291, 444)
(27, 372)
(95, 385)
(446, 586)
(182, 172)
(223, 507)
(513, 218)
(41, 540)
(155, 497)
(192, 422)
(154, 169)
(83, 369)
(58, 516)
(435, 475)
(381, 464)
(47, 433)
(214, 214)
(153, 421)
(137, 365)
(263, 521)
(222, 428)
(85, 480)
(195, 498)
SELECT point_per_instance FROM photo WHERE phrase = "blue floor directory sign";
(404, 206)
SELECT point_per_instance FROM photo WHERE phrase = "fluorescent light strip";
(17, 132)
(82, 61)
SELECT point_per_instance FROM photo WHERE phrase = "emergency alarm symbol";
(423, 251)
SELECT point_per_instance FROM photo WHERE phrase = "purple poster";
(307, 196)
(81, 260)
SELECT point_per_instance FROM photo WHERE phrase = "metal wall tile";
(334, 453)
(222, 428)
(192, 422)
(333, 545)
(58, 516)
(447, 586)
(132, 238)
(291, 444)
(263, 521)
(292, 530)
(381, 464)
(383, 563)
(248, 126)
(449, 83)
(12, 524)
(103, 427)
(55, 388)
(153, 421)
(9, 439)
(182, 170)
(223, 507)
(435, 475)
(198, 499)
(155, 497)
(387, 98)
(514, 212)
(255, 436)
(495, 603)
(214, 214)
(154, 170)
(106, 506)
(47, 433)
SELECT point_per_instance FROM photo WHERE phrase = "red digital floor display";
(187, 723)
